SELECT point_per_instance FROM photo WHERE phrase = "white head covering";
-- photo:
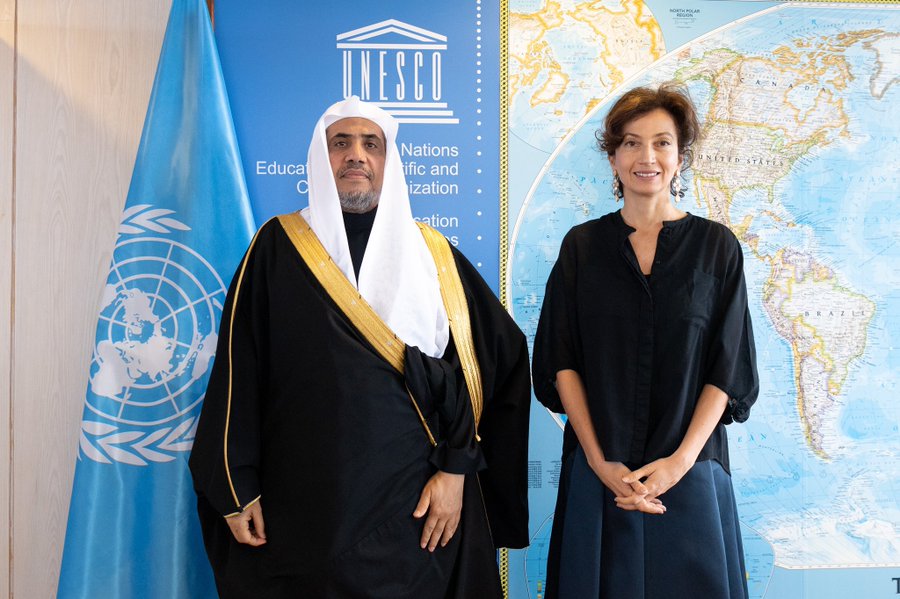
(397, 277)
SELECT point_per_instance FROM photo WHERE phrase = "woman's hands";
(658, 476)
(631, 496)
(661, 475)
(640, 489)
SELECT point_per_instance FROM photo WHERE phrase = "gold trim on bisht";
(237, 292)
(458, 312)
(351, 303)
(345, 295)
(371, 326)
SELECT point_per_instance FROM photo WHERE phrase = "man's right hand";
(248, 527)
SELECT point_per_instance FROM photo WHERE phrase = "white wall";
(75, 77)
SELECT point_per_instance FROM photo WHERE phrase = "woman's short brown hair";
(671, 97)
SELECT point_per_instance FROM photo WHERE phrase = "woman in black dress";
(645, 343)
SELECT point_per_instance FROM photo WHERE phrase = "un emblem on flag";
(156, 338)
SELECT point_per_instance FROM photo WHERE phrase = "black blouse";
(646, 346)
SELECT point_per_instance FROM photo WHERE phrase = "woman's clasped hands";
(639, 490)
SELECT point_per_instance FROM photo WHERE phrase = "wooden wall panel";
(7, 62)
(84, 74)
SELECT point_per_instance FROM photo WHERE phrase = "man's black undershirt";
(358, 228)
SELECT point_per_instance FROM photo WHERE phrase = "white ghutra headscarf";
(397, 277)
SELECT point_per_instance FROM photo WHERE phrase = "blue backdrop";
(435, 65)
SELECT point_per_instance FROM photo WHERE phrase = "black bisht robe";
(323, 430)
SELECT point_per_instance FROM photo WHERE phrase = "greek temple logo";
(156, 338)
(398, 67)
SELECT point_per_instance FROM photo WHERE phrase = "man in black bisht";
(365, 429)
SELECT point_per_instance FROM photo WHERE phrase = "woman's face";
(648, 158)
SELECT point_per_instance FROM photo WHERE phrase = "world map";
(798, 159)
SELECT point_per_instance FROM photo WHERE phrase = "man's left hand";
(441, 499)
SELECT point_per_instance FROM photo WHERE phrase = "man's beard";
(358, 202)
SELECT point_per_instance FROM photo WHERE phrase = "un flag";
(133, 529)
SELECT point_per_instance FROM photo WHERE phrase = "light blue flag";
(133, 529)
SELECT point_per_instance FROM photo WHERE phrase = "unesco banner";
(433, 65)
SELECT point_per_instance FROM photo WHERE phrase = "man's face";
(356, 150)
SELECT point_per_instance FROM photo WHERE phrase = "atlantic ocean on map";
(799, 158)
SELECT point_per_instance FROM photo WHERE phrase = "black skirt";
(598, 550)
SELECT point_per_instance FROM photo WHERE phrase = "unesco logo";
(397, 67)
